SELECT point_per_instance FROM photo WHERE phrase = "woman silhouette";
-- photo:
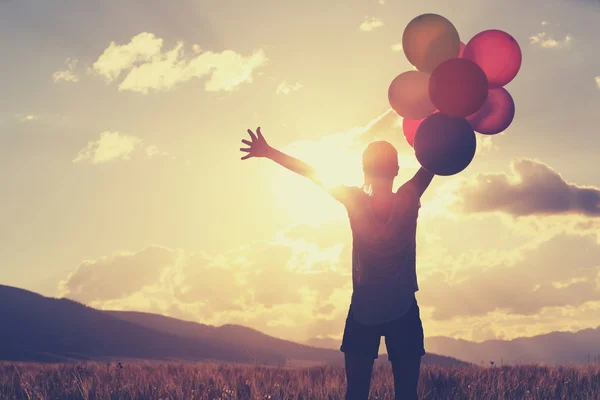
(384, 277)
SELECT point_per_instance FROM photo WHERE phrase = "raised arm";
(259, 147)
(421, 180)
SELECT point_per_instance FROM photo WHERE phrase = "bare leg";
(406, 377)
(358, 376)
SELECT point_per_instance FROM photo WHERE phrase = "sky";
(122, 185)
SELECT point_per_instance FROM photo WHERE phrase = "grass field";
(220, 381)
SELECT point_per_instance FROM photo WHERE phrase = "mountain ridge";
(559, 347)
(36, 328)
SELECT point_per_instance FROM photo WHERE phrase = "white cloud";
(119, 275)
(370, 23)
(118, 58)
(485, 144)
(286, 88)
(67, 75)
(397, 47)
(519, 271)
(545, 41)
(27, 117)
(153, 151)
(110, 146)
(148, 67)
(276, 286)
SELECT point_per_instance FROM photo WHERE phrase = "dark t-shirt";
(383, 254)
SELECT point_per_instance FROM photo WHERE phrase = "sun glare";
(336, 160)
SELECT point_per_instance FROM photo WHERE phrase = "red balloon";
(409, 95)
(445, 145)
(495, 115)
(409, 127)
(497, 53)
(458, 87)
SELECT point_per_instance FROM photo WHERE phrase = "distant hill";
(42, 329)
(255, 339)
(250, 339)
(37, 328)
(552, 348)
(428, 359)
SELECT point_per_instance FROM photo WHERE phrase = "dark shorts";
(403, 337)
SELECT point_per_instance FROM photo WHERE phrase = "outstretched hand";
(258, 145)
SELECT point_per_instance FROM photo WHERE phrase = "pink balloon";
(410, 126)
(458, 87)
(408, 95)
(495, 115)
(497, 53)
(462, 50)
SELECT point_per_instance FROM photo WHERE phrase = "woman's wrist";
(270, 152)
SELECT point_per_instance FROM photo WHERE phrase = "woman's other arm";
(421, 181)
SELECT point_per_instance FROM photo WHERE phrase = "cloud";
(563, 271)
(533, 188)
(545, 41)
(110, 146)
(118, 58)
(370, 24)
(67, 75)
(118, 276)
(279, 283)
(27, 117)
(397, 47)
(286, 88)
(485, 144)
(153, 151)
(147, 67)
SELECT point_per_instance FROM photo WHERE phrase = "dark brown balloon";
(445, 145)
(429, 40)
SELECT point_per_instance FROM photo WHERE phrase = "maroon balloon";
(495, 115)
(445, 145)
(410, 126)
(458, 87)
(497, 53)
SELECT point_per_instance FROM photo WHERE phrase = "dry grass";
(180, 381)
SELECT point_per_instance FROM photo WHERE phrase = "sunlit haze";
(123, 188)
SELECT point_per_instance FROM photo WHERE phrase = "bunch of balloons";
(455, 91)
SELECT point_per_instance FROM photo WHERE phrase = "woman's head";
(380, 165)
